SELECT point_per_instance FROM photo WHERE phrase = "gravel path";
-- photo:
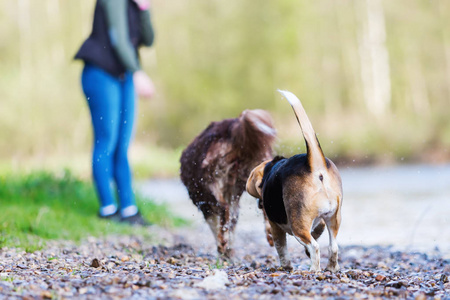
(401, 232)
(128, 267)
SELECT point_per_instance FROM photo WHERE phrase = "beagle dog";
(300, 195)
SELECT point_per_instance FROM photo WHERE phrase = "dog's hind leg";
(267, 228)
(279, 238)
(266, 223)
(318, 229)
(213, 221)
(316, 232)
(231, 226)
(333, 225)
(223, 236)
(304, 237)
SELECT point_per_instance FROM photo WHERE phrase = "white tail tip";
(289, 97)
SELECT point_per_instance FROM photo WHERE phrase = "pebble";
(95, 263)
(380, 277)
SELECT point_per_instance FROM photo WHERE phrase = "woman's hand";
(143, 84)
(143, 4)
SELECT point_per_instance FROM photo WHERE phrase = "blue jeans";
(111, 102)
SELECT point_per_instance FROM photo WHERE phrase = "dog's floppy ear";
(255, 179)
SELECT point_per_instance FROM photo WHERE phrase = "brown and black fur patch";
(216, 165)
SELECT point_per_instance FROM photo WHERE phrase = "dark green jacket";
(118, 30)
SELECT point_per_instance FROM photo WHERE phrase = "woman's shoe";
(114, 217)
(136, 219)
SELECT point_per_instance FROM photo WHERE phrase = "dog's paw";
(287, 268)
(314, 269)
(227, 256)
(225, 261)
(333, 269)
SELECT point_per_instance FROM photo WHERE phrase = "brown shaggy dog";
(216, 165)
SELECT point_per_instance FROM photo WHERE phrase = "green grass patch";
(42, 206)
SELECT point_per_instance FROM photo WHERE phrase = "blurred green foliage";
(213, 59)
(41, 206)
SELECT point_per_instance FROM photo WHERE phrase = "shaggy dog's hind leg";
(213, 222)
(224, 235)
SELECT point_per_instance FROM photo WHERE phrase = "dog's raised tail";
(314, 152)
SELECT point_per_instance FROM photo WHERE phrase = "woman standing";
(111, 78)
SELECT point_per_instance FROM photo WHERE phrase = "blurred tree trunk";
(25, 35)
(348, 50)
(417, 82)
(441, 6)
(374, 58)
(57, 50)
(332, 72)
(85, 20)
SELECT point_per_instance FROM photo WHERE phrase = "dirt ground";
(130, 268)
(394, 243)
